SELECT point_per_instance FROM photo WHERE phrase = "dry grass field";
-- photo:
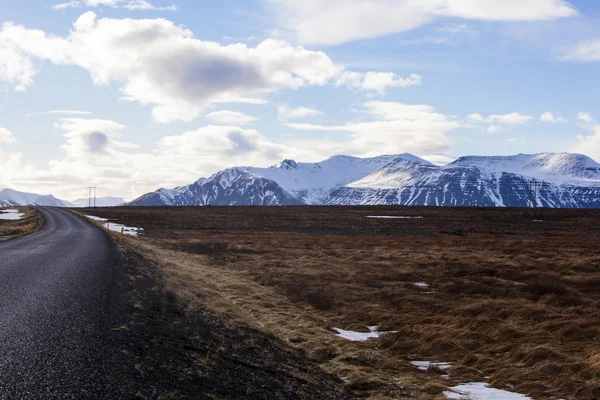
(512, 299)
(31, 221)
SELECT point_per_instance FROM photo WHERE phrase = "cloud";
(91, 136)
(226, 117)
(497, 123)
(583, 116)
(286, 113)
(589, 144)
(6, 136)
(456, 28)
(163, 65)
(549, 117)
(60, 112)
(128, 4)
(339, 21)
(16, 67)
(394, 128)
(584, 51)
(513, 118)
(216, 141)
(495, 129)
(376, 81)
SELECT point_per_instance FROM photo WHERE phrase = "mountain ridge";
(562, 180)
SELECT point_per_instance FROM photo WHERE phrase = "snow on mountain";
(563, 180)
(100, 202)
(10, 197)
(312, 182)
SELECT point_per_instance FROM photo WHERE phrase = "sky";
(133, 95)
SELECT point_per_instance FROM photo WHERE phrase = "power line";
(92, 190)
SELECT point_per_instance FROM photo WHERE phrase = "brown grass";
(31, 222)
(510, 298)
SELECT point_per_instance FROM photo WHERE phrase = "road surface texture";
(80, 319)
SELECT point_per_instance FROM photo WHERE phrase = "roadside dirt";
(168, 353)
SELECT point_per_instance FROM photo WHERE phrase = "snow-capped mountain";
(543, 180)
(10, 198)
(100, 202)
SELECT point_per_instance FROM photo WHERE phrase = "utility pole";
(92, 190)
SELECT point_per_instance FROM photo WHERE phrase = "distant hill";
(561, 180)
(11, 198)
(100, 202)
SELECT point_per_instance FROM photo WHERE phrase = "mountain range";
(11, 198)
(541, 180)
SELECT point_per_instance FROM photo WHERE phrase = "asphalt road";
(57, 309)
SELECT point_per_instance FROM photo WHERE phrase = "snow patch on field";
(424, 365)
(421, 284)
(11, 215)
(482, 391)
(392, 217)
(112, 226)
(360, 336)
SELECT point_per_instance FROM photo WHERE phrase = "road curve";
(57, 293)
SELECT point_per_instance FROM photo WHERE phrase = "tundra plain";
(508, 296)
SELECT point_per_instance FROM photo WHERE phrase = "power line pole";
(92, 190)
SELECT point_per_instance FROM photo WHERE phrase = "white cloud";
(589, 144)
(6, 136)
(585, 51)
(395, 128)
(338, 21)
(162, 65)
(513, 118)
(286, 113)
(457, 28)
(91, 136)
(549, 117)
(495, 129)
(583, 116)
(217, 141)
(60, 112)
(226, 117)
(376, 81)
(128, 4)
(497, 123)
(16, 67)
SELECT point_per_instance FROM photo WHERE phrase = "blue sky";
(132, 95)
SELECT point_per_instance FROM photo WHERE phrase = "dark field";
(513, 294)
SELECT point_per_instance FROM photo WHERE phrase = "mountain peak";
(288, 164)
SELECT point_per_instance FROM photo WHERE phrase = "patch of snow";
(424, 365)
(538, 220)
(482, 391)
(112, 226)
(421, 284)
(11, 215)
(360, 336)
(392, 217)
